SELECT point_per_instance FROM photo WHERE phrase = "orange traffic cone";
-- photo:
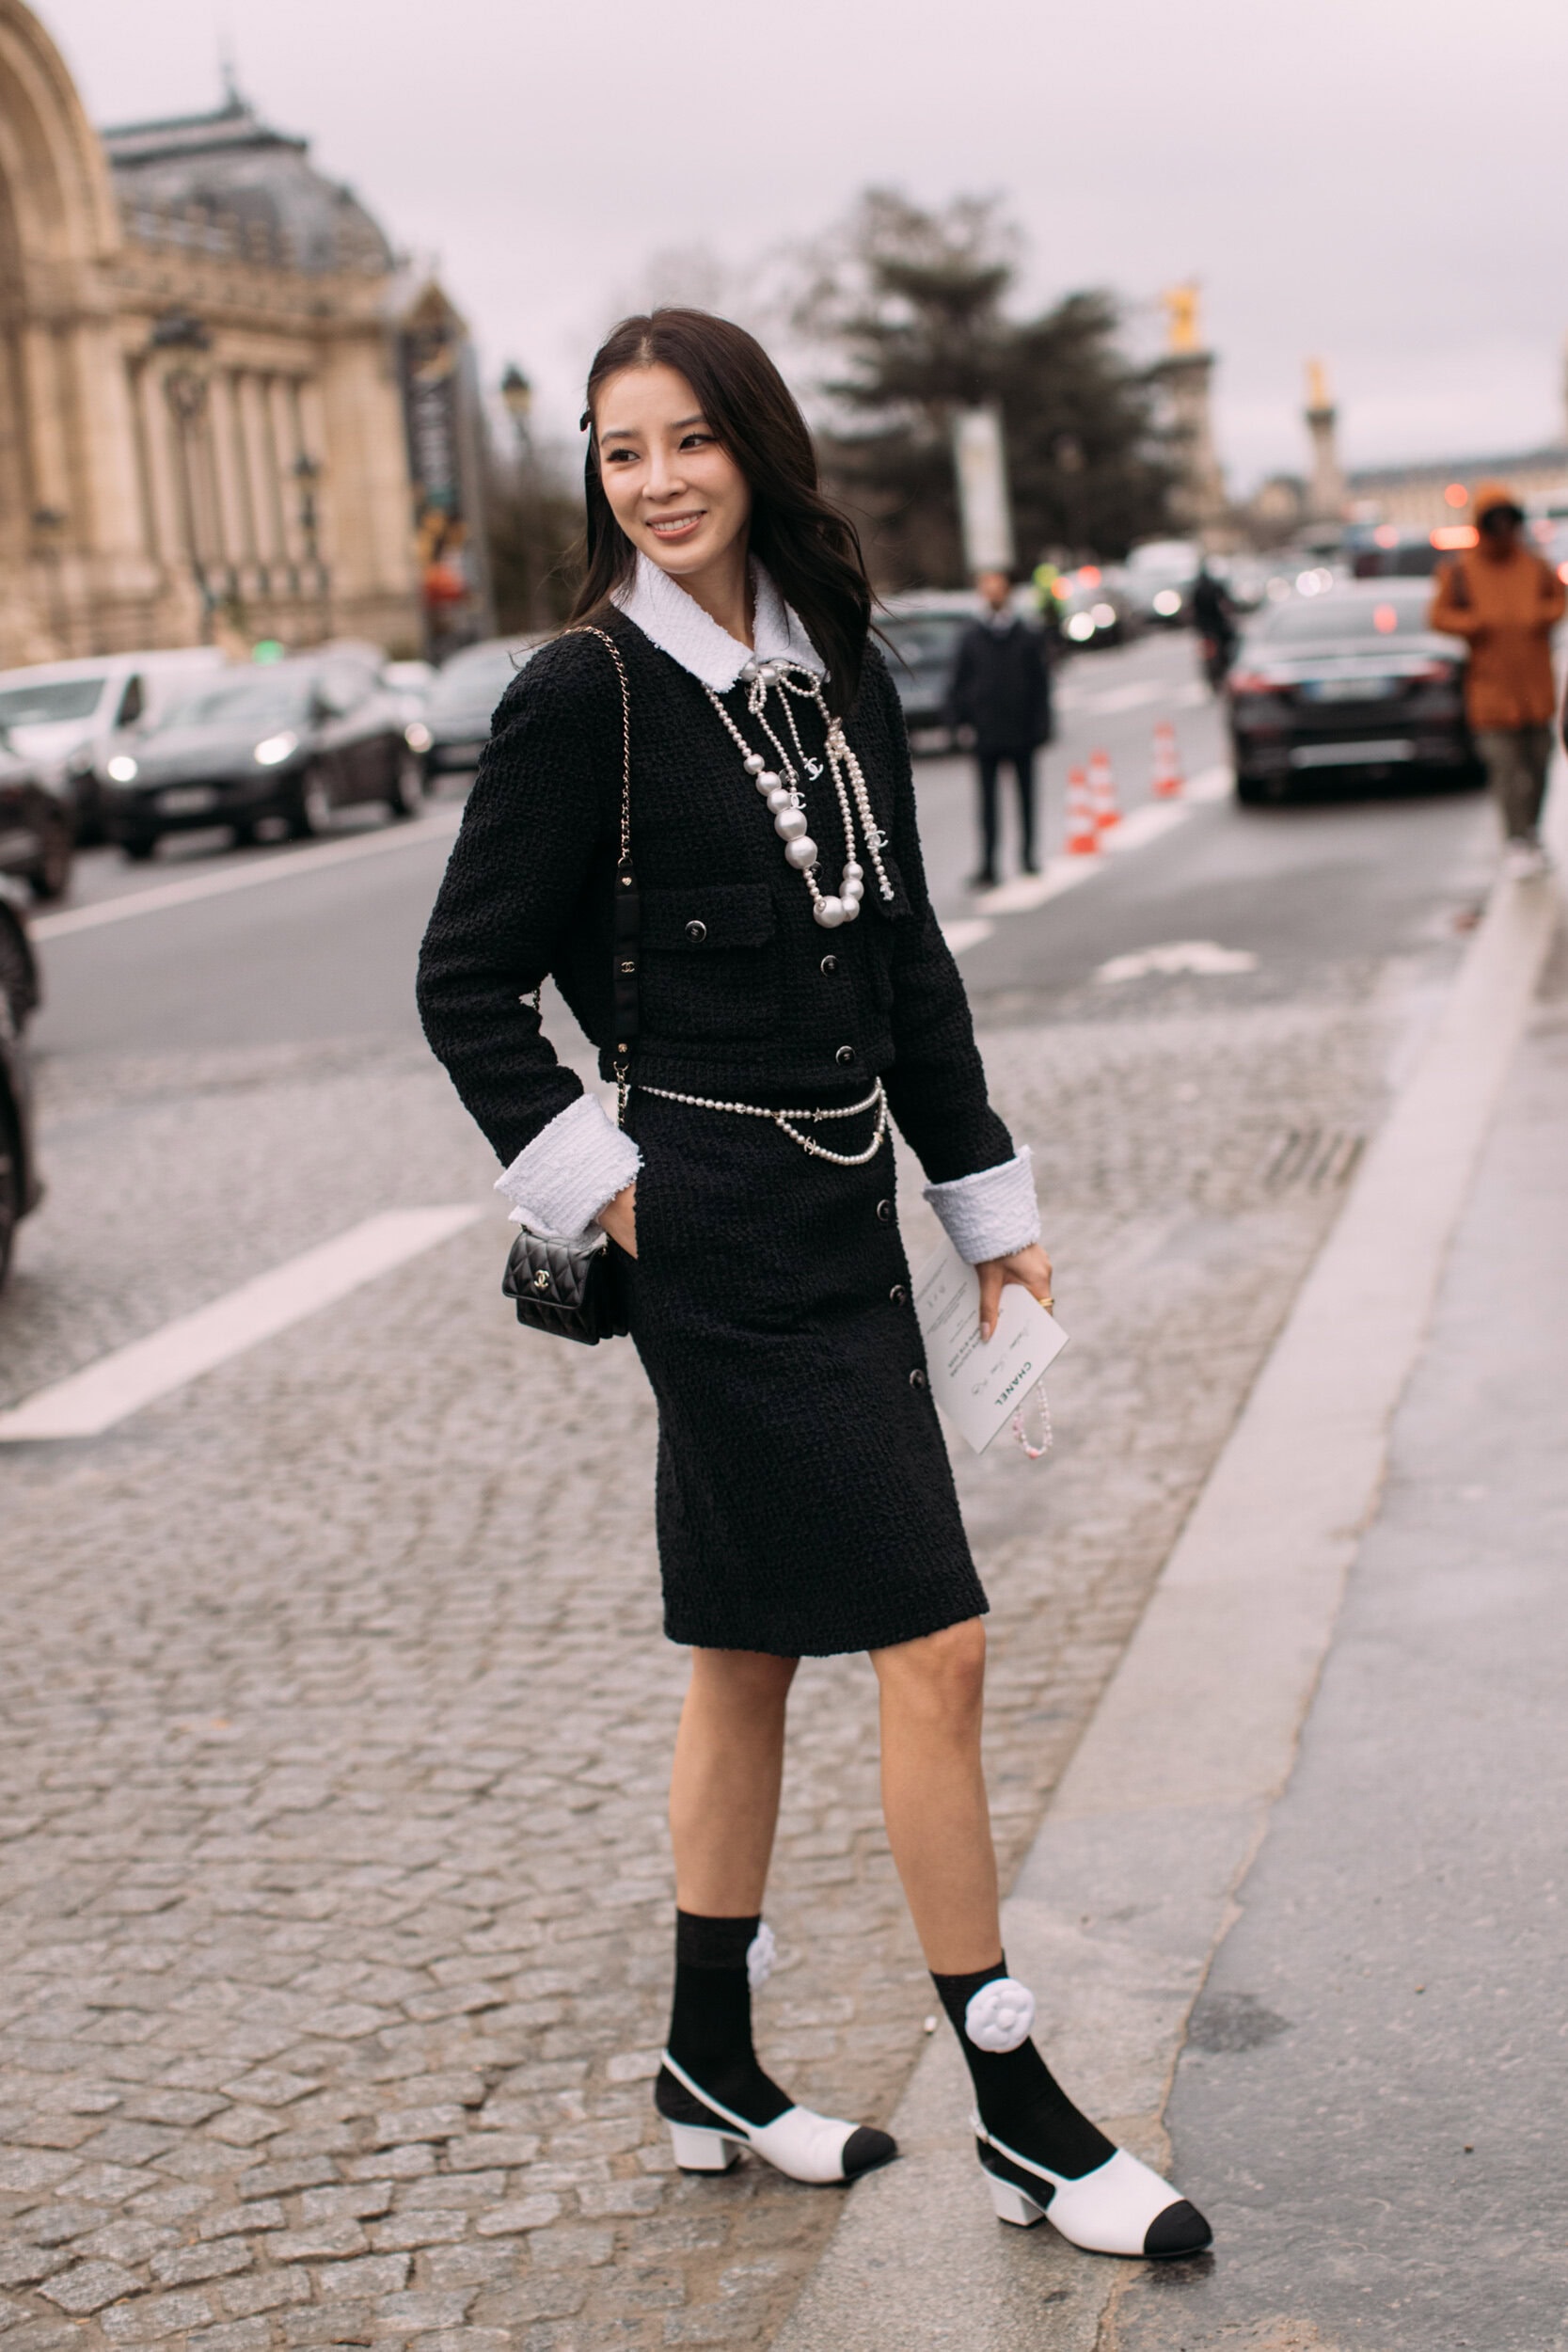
(1167, 762)
(1082, 835)
(1103, 792)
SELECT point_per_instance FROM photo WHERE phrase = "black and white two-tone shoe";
(707, 2136)
(1121, 2207)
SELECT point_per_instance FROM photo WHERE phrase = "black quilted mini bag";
(574, 1289)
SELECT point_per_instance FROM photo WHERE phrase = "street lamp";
(518, 393)
(308, 472)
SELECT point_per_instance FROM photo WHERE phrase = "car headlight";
(274, 749)
(122, 768)
(1081, 627)
(1102, 615)
(417, 735)
(1168, 603)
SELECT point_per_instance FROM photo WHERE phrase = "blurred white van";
(59, 716)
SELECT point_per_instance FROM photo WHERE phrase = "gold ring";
(1049, 1301)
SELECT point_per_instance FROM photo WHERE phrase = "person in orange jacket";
(1505, 601)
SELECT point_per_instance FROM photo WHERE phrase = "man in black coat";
(1002, 689)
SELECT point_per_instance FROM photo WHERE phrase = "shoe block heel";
(698, 2151)
(1012, 2203)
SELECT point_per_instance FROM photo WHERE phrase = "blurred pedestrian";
(1002, 691)
(1214, 619)
(1505, 599)
(805, 1503)
(1050, 588)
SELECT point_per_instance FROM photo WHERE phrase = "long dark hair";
(812, 550)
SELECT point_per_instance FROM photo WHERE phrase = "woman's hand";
(1030, 1266)
(619, 1219)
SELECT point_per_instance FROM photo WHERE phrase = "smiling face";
(680, 499)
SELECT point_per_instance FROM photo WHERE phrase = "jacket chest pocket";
(709, 962)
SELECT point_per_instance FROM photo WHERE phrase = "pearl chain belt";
(876, 1099)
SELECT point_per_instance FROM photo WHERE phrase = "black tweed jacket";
(743, 995)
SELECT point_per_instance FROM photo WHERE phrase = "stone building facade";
(203, 426)
(1418, 497)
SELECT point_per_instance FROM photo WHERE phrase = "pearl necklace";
(781, 788)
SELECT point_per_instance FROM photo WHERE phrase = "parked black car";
(19, 1187)
(462, 702)
(1349, 683)
(1094, 609)
(19, 973)
(923, 634)
(38, 833)
(297, 739)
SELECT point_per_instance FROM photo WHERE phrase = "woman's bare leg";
(934, 1794)
(725, 1786)
(723, 1809)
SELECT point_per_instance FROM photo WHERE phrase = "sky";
(1380, 183)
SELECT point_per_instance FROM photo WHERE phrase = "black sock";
(710, 2025)
(1019, 2097)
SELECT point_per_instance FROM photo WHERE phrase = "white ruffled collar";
(679, 625)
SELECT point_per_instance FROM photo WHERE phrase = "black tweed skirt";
(805, 1504)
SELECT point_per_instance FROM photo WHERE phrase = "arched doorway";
(68, 545)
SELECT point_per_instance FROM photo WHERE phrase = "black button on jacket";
(732, 1003)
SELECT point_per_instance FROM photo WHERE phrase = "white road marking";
(283, 868)
(1104, 702)
(1134, 831)
(1028, 891)
(1202, 956)
(962, 935)
(1109, 700)
(120, 1384)
(1209, 784)
(1142, 825)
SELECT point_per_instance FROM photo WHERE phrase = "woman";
(804, 1500)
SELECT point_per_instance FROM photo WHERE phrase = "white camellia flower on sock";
(999, 2016)
(761, 1952)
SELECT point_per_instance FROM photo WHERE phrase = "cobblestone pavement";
(335, 1910)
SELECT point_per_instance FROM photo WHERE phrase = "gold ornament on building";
(1183, 332)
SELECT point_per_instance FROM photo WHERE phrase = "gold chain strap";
(586, 629)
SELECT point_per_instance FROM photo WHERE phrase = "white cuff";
(558, 1183)
(991, 1214)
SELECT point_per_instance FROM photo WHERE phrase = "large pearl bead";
(851, 908)
(754, 763)
(766, 780)
(789, 824)
(853, 869)
(801, 851)
(828, 912)
(779, 796)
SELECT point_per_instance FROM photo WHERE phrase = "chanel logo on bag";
(541, 1280)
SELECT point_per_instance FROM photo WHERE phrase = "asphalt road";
(329, 950)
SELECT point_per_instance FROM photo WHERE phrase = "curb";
(1133, 1877)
